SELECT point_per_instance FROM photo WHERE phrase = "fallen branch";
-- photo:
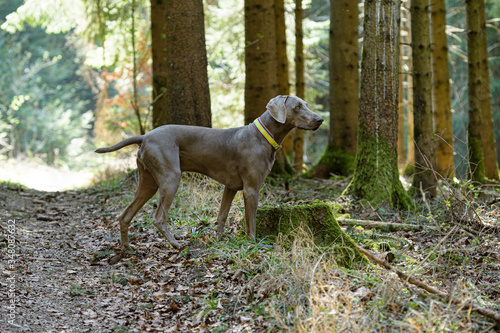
(381, 225)
(406, 278)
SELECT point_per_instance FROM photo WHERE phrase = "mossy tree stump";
(318, 219)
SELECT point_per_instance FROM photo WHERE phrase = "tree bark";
(422, 98)
(441, 91)
(344, 93)
(261, 66)
(474, 138)
(401, 115)
(409, 167)
(344, 75)
(187, 93)
(282, 162)
(376, 178)
(488, 135)
(158, 50)
(300, 85)
(283, 76)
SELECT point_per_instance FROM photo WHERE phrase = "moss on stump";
(318, 219)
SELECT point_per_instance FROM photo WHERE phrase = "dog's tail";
(121, 144)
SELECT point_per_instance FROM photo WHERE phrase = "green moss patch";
(318, 219)
(376, 178)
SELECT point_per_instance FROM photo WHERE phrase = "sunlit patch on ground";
(43, 177)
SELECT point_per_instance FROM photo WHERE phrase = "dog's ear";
(277, 108)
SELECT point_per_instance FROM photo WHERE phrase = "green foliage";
(45, 101)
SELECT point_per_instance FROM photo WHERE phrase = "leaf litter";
(72, 277)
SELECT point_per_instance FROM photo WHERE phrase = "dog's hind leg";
(168, 184)
(227, 199)
(145, 190)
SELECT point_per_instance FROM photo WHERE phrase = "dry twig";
(406, 278)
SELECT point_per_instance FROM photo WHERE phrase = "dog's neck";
(278, 130)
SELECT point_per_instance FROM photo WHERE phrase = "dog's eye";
(298, 106)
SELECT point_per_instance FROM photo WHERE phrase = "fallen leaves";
(72, 273)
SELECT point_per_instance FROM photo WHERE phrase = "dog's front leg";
(251, 199)
(227, 199)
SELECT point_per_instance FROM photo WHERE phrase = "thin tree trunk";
(475, 142)
(488, 135)
(298, 140)
(441, 91)
(261, 66)
(376, 178)
(410, 142)
(135, 102)
(401, 116)
(158, 50)
(422, 98)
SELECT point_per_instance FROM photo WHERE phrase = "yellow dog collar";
(264, 132)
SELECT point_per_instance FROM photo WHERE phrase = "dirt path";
(68, 277)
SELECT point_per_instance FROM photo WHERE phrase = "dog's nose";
(319, 120)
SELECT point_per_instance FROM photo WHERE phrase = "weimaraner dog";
(239, 158)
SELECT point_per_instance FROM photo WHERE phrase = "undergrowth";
(297, 286)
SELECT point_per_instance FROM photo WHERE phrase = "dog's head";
(294, 111)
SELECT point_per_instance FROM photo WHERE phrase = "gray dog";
(239, 158)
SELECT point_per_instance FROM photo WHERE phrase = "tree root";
(383, 225)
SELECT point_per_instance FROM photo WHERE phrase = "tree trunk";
(422, 98)
(344, 75)
(282, 162)
(283, 77)
(474, 139)
(409, 167)
(488, 135)
(158, 50)
(187, 92)
(344, 93)
(401, 115)
(300, 84)
(261, 66)
(376, 178)
(441, 91)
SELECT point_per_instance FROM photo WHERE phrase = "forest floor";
(67, 273)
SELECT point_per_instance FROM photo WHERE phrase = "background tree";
(159, 64)
(260, 57)
(187, 93)
(281, 53)
(474, 139)
(300, 84)
(422, 98)
(441, 99)
(376, 177)
(282, 164)
(488, 135)
(344, 94)
(406, 143)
